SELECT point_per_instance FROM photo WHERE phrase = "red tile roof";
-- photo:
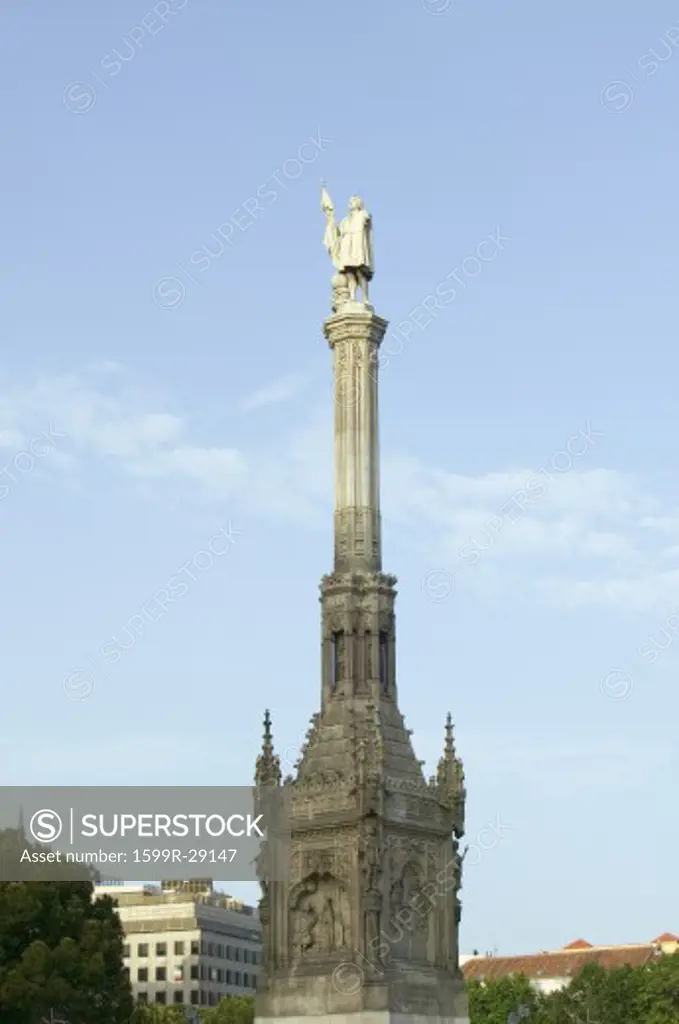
(667, 937)
(563, 964)
(579, 944)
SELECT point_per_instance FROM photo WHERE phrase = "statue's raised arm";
(350, 246)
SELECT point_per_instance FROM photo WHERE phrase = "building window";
(220, 975)
(179, 997)
(179, 949)
(161, 974)
(203, 946)
(210, 949)
(336, 658)
(195, 948)
(161, 998)
(143, 949)
(236, 979)
(143, 974)
(194, 972)
(384, 661)
(246, 979)
(237, 951)
(194, 997)
(126, 951)
(142, 997)
(229, 953)
(178, 973)
(228, 977)
(254, 981)
(220, 951)
(202, 972)
(246, 956)
(213, 998)
(203, 1000)
(161, 948)
(254, 956)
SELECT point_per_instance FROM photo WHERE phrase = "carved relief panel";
(319, 917)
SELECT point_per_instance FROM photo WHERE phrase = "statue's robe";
(355, 245)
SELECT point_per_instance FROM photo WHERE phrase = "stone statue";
(327, 936)
(305, 920)
(372, 898)
(263, 867)
(350, 246)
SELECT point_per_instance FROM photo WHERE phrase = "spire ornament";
(268, 766)
(450, 780)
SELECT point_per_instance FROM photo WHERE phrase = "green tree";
(231, 1010)
(648, 994)
(154, 1013)
(509, 1000)
(59, 950)
(658, 1000)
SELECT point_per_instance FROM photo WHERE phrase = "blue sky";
(192, 404)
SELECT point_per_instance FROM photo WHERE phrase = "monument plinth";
(366, 930)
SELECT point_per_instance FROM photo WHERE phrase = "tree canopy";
(648, 994)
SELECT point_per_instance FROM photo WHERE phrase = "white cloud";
(283, 389)
(113, 424)
(592, 537)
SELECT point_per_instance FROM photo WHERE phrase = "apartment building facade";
(186, 945)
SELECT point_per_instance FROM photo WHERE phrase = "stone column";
(355, 337)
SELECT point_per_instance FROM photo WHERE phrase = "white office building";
(186, 945)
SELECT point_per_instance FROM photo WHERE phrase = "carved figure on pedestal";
(306, 919)
(263, 867)
(409, 926)
(319, 917)
(331, 930)
(303, 918)
(350, 246)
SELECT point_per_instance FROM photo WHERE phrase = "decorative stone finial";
(268, 768)
(450, 746)
(450, 780)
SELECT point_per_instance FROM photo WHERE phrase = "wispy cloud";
(598, 537)
(283, 389)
